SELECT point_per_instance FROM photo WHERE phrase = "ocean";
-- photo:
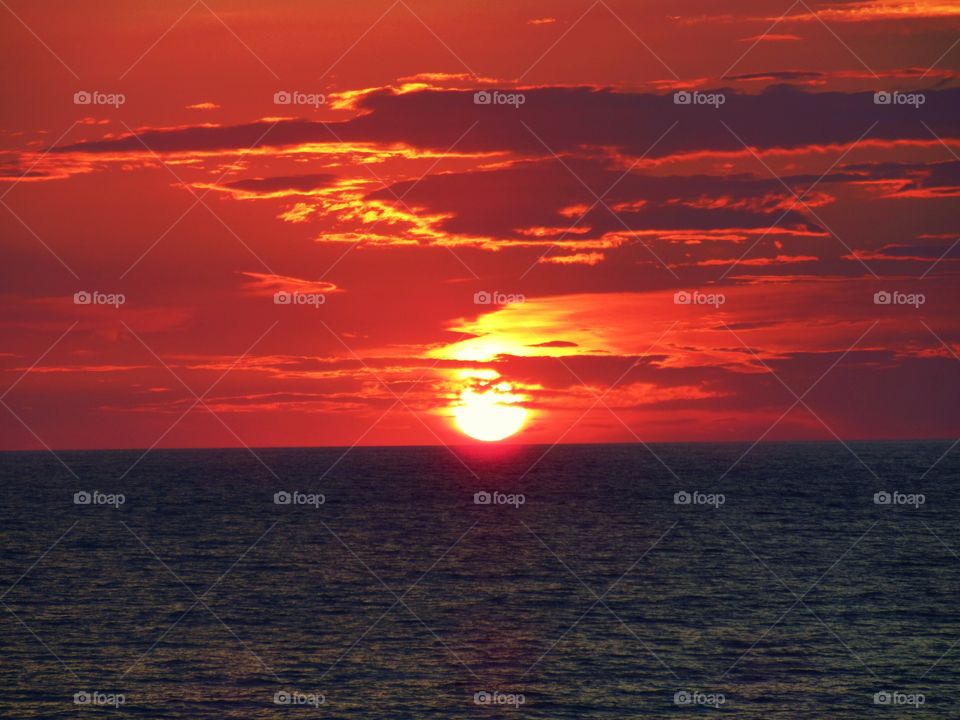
(787, 580)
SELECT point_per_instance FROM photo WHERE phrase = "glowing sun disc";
(484, 417)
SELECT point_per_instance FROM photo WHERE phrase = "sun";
(491, 415)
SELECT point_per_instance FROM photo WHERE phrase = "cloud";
(772, 37)
(266, 285)
(878, 10)
(280, 186)
(568, 120)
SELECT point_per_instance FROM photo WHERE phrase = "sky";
(232, 223)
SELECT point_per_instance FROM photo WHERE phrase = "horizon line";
(475, 445)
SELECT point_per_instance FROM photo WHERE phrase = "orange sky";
(585, 200)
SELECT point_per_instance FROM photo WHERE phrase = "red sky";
(398, 198)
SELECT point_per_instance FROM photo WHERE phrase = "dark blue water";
(782, 590)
